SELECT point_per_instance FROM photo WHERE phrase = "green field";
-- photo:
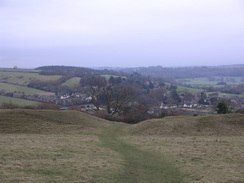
(232, 95)
(107, 76)
(70, 146)
(72, 83)
(186, 89)
(17, 101)
(208, 82)
(10, 88)
(23, 77)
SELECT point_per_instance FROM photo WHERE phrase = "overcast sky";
(121, 33)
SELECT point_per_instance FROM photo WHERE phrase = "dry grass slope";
(214, 125)
(209, 148)
(48, 122)
(53, 146)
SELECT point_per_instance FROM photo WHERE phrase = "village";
(191, 103)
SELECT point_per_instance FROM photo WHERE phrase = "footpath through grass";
(139, 166)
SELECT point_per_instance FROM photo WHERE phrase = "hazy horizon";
(121, 33)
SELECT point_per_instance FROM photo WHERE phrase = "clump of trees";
(223, 106)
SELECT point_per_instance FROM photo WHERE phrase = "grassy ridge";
(63, 146)
(34, 121)
(70, 146)
(53, 146)
(224, 125)
(208, 149)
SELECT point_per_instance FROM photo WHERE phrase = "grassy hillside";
(10, 88)
(70, 146)
(47, 121)
(17, 101)
(224, 125)
(72, 83)
(20, 77)
(53, 146)
(208, 149)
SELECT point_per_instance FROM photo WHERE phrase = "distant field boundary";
(17, 101)
(9, 87)
(20, 70)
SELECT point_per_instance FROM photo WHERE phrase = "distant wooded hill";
(189, 72)
(75, 71)
(154, 71)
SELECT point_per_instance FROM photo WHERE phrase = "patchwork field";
(212, 82)
(10, 88)
(15, 80)
(70, 146)
(17, 101)
(23, 77)
(187, 89)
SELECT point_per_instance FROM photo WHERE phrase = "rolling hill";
(47, 121)
(70, 146)
(214, 125)
(72, 82)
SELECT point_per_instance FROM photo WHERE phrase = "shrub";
(223, 107)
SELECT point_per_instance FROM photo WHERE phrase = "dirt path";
(139, 166)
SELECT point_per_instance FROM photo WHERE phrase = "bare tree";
(117, 97)
(93, 85)
(114, 96)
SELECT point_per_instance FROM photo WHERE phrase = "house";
(64, 97)
(187, 106)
